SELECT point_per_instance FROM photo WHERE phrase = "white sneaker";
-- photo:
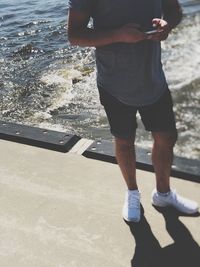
(131, 208)
(173, 199)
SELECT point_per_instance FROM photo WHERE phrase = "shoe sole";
(185, 212)
(129, 220)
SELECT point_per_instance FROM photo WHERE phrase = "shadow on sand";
(184, 252)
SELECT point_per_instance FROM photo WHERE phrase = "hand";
(129, 33)
(163, 30)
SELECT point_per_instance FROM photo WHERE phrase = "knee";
(124, 142)
(165, 139)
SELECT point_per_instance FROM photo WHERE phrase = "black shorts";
(157, 117)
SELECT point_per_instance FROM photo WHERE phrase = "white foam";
(181, 54)
(62, 76)
(62, 80)
(53, 79)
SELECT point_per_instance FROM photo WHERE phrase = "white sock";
(166, 194)
(131, 191)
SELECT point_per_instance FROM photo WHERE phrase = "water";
(46, 83)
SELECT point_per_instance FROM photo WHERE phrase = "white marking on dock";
(81, 146)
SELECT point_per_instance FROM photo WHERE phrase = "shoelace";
(133, 201)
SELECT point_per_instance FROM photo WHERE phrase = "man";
(130, 79)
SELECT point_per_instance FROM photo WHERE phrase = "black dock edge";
(53, 140)
(187, 169)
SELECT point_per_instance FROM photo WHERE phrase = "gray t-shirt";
(130, 72)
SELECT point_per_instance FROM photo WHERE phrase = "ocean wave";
(2, 38)
(190, 6)
(28, 50)
(33, 23)
(7, 17)
(31, 32)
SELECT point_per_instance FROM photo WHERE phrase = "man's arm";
(172, 15)
(80, 34)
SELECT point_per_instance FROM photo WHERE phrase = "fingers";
(159, 23)
(155, 21)
(163, 29)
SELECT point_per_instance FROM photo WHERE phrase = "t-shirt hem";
(162, 91)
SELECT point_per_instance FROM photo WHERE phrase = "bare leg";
(125, 154)
(162, 157)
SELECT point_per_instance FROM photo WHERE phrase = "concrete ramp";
(64, 210)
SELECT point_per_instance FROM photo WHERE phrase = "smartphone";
(151, 32)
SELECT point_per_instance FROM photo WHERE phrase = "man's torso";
(130, 72)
